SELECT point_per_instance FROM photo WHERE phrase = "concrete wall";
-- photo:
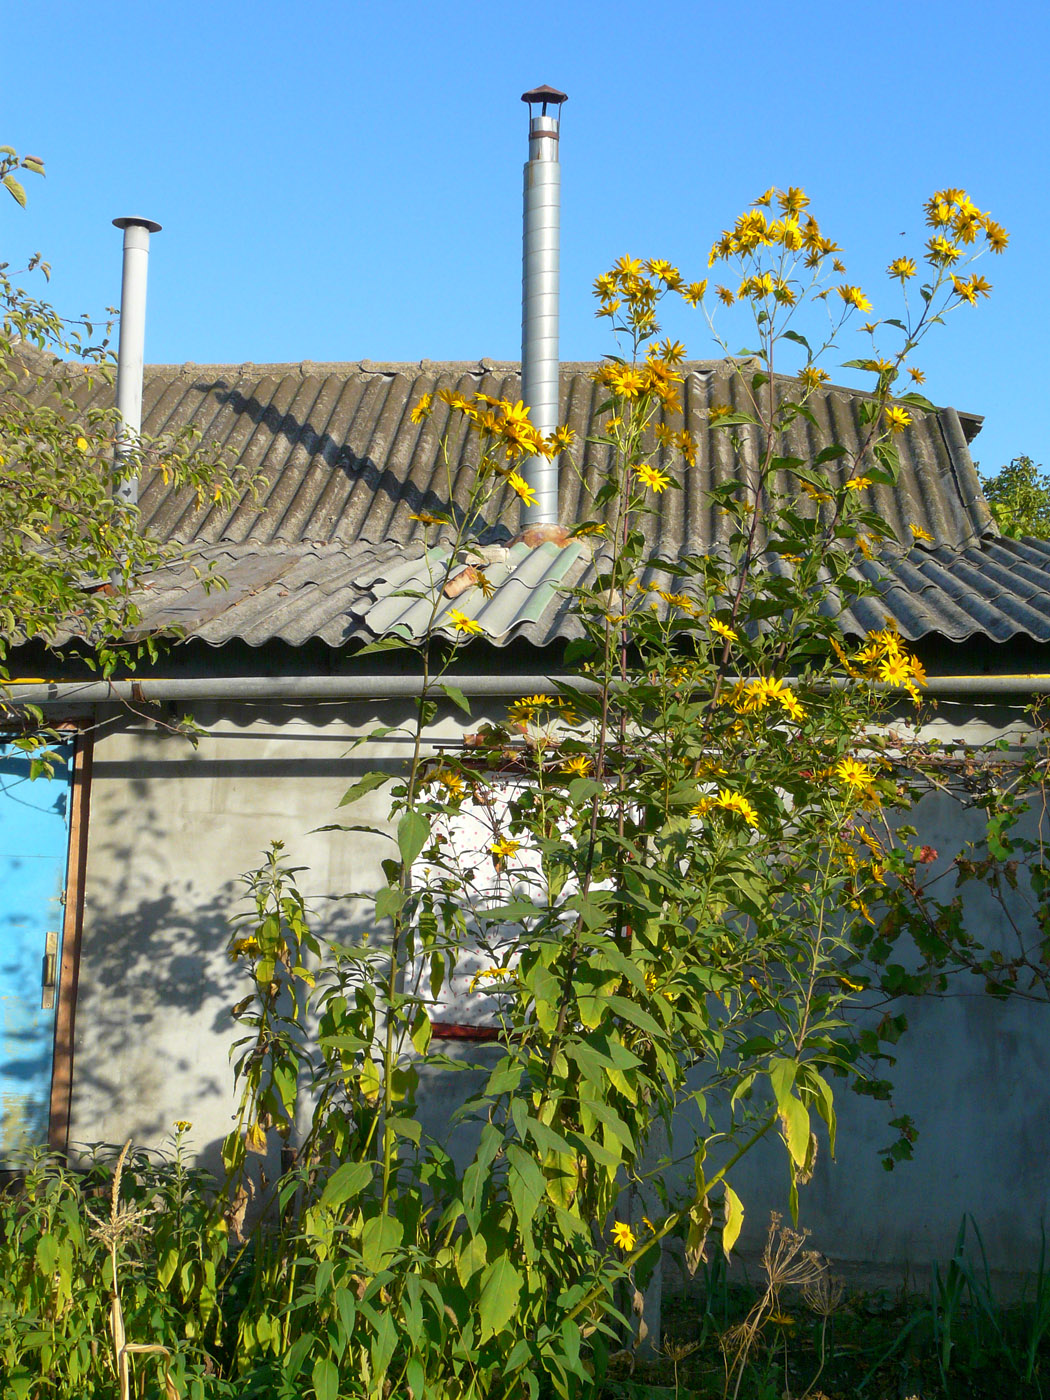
(172, 829)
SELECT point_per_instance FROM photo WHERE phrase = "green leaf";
(782, 1073)
(413, 830)
(525, 1183)
(326, 1379)
(500, 1290)
(388, 902)
(380, 1237)
(733, 1219)
(346, 1181)
(795, 1123)
(15, 189)
(366, 784)
(456, 696)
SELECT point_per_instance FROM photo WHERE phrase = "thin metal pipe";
(131, 347)
(541, 243)
(372, 687)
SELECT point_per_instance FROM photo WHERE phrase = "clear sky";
(342, 181)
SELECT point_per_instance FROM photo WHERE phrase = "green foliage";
(1019, 495)
(669, 873)
(71, 549)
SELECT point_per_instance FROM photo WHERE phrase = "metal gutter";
(374, 687)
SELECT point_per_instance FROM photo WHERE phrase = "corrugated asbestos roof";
(295, 593)
(329, 544)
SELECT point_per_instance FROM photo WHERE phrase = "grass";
(800, 1335)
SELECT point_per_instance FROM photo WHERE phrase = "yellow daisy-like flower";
(181, 1125)
(918, 375)
(577, 767)
(450, 781)
(858, 483)
(464, 624)
(489, 974)
(627, 381)
(521, 487)
(722, 629)
(423, 408)
(902, 268)
(812, 377)
(853, 296)
(920, 534)
(623, 1236)
(897, 418)
(652, 476)
(504, 848)
(738, 803)
(895, 670)
(853, 773)
(725, 296)
(82, 444)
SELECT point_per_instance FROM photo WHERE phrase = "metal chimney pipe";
(541, 245)
(131, 346)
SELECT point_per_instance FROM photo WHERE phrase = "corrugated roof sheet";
(338, 460)
(295, 593)
(329, 544)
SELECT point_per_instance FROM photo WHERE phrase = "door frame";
(72, 926)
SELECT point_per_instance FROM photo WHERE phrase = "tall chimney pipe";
(131, 346)
(539, 294)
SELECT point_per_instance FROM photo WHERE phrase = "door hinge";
(50, 978)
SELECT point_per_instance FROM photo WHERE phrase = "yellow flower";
(793, 200)
(918, 375)
(895, 670)
(652, 476)
(426, 518)
(814, 492)
(82, 444)
(812, 377)
(736, 802)
(462, 623)
(489, 974)
(182, 1126)
(562, 439)
(450, 781)
(504, 848)
(858, 483)
(521, 487)
(853, 296)
(996, 236)
(897, 419)
(694, 293)
(725, 296)
(722, 629)
(853, 773)
(718, 411)
(624, 1237)
(902, 268)
(920, 533)
(627, 382)
(423, 408)
(577, 767)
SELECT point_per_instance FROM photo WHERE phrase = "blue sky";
(343, 181)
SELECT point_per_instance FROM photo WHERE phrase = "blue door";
(34, 842)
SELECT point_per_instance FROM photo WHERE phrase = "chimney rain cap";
(545, 95)
(137, 223)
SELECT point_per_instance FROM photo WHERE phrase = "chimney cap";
(137, 223)
(544, 94)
